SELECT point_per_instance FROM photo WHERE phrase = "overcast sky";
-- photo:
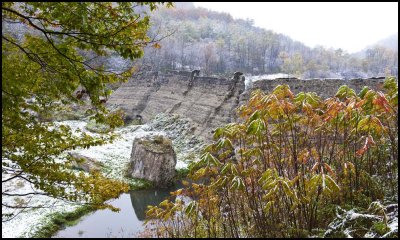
(350, 26)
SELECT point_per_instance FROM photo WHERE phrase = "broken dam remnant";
(210, 102)
(153, 158)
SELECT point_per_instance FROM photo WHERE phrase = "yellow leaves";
(351, 105)
(345, 92)
(264, 145)
(287, 190)
(370, 123)
(167, 216)
(209, 159)
(282, 91)
(269, 184)
(268, 175)
(304, 156)
(329, 185)
(224, 143)
(221, 182)
(294, 180)
(199, 173)
(191, 208)
(229, 168)
(164, 203)
(268, 206)
(313, 183)
(237, 183)
(271, 193)
(177, 192)
(185, 183)
(256, 127)
(349, 165)
(228, 131)
(156, 45)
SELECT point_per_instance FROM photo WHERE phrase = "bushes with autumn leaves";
(276, 171)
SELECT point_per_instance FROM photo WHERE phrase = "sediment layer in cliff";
(210, 102)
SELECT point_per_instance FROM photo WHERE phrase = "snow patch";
(267, 77)
(115, 156)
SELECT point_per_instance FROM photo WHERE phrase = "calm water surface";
(125, 223)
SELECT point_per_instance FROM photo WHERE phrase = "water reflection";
(142, 198)
(126, 223)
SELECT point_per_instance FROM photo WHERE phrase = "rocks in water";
(86, 164)
(153, 159)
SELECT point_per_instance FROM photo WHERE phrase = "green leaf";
(256, 127)
(331, 184)
(268, 206)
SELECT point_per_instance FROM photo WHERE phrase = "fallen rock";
(153, 159)
(84, 163)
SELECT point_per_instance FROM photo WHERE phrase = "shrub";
(273, 173)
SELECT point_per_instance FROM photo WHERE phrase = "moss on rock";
(157, 144)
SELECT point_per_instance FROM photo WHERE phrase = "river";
(125, 223)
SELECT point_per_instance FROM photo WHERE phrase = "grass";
(64, 115)
(381, 228)
(138, 184)
(181, 173)
(59, 220)
(97, 127)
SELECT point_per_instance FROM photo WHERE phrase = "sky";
(350, 26)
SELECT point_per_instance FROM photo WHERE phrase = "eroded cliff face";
(210, 102)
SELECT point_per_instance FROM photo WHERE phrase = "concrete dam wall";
(210, 102)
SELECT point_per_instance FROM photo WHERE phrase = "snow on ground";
(349, 221)
(267, 76)
(25, 223)
(115, 156)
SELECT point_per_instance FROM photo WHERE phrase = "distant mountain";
(184, 5)
(216, 43)
(390, 42)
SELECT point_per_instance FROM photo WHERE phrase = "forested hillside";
(183, 120)
(217, 43)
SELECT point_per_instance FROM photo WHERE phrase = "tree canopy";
(217, 43)
(43, 68)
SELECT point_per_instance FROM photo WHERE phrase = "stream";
(125, 223)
